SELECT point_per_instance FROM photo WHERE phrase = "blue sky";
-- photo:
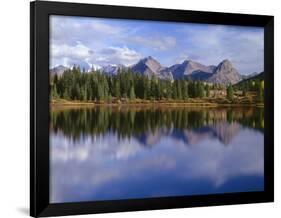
(95, 41)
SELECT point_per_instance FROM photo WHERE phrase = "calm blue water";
(107, 154)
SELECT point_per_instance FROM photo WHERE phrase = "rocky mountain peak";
(147, 66)
(189, 67)
(225, 65)
(190, 62)
(58, 70)
(151, 62)
(225, 73)
(112, 69)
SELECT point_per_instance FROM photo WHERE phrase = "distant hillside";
(258, 77)
(58, 70)
(112, 69)
(250, 75)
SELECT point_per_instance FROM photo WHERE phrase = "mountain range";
(223, 73)
(58, 70)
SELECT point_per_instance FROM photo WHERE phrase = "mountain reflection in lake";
(107, 153)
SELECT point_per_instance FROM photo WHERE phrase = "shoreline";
(150, 104)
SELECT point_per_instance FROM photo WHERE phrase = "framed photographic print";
(141, 109)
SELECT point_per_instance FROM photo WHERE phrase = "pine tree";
(153, 87)
(179, 89)
(229, 92)
(260, 91)
(200, 90)
(146, 90)
(100, 92)
(184, 87)
(116, 91)
(207, 90)
(54, 93)
(174, 90)
(132, 93)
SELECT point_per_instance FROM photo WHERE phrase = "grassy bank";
(204, 102)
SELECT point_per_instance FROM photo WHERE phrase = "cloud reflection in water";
(218, 158)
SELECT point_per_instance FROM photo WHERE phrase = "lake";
(126, 152)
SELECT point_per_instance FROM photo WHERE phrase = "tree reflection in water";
(138, 122)
(105, 153)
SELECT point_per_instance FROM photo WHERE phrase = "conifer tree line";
(254, 85)
(75, 84)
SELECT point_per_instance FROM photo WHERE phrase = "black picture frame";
(39, 108)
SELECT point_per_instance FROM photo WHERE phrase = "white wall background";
(14, 107)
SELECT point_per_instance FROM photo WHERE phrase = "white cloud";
(160, 43)
(78, 51)
(212, 44)
(81, 55)
(92, 164)
(68, 55)
(118, 55)
(68, 30)
(105, 28)
(83, 41)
